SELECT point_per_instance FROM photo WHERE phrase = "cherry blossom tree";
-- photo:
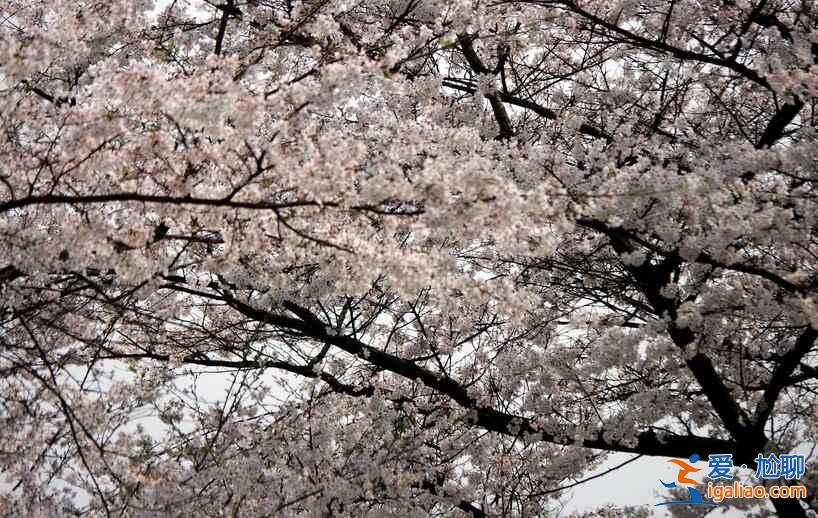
(433, 258)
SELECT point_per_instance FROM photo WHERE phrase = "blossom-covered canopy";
(399, 257)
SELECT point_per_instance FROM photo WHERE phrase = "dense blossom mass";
(400, 257)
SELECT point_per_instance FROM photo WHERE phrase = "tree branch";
(781, 375)
(310, 326)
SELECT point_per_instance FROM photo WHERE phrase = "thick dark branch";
(468, 507)
(779, 122)
(651, 279)
(658, 45)
(8, 274)
(770, 20)
(781, 375)
(773, 277)
(310, 326)
(808, 372)
(781, 119)
(79, 199)
(227, 10)
(58, 199)
(542, 111)
(500, 113)
(57, 101)
(302, 370)
(731, 414)
(702, 258)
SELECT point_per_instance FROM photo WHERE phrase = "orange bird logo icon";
(685, 469)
